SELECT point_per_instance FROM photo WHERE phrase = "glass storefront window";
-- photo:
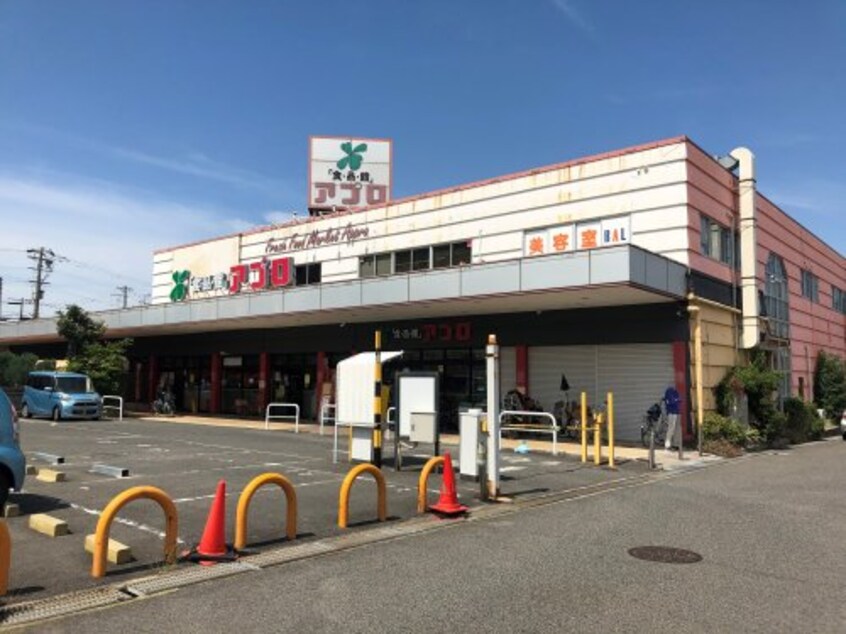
(402, 261)
(383, 264)
(440, 256)
(461, 253)
(420, 259)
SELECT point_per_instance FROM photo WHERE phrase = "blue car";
(12, 460)
(60, 395)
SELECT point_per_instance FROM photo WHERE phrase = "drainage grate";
(184, 577)
(51, 607)
(665, 555)
(289, 553)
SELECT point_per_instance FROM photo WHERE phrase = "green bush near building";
(830, 384)
(15, 367)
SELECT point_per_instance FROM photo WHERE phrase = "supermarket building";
(594, 268)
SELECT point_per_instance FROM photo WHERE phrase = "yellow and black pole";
(377, 402)
(584, 427)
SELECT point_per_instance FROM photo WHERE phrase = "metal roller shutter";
(638, 374)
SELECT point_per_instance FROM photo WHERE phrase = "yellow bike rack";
(423, 482)
(344, 501)
(5, 557)
(247, 497)
(101, 535)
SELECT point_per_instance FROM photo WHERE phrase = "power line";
(123, 291)
(44, 259)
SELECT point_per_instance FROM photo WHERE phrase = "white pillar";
(492, 372)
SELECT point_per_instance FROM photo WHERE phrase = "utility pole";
(123, 291)
(1, 299)
(21, 302)
(43, 259)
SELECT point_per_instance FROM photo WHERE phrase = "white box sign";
(577, 237)
(348, 172)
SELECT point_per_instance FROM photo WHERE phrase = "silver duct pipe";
(750, 336)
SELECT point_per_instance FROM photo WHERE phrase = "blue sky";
(128, 126)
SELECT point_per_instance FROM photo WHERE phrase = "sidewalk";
(666, 460)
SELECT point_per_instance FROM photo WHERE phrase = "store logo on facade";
(257, 276)
(353, 156)
(343, 235)
(180, 285)
(351, 180)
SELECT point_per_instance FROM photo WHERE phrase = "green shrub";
(760, 383)
(830, 384)
(773, 432)
(717, 427)
(817, 428)
(803, 423)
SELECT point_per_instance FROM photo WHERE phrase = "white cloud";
(108, 234)
(573, 15)
(199, 165)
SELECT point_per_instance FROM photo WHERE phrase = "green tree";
(79, 329)
(760, 383)
(105, 363)
(830, 384)
(15, 367)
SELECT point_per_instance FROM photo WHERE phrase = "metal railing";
(552, 429)
(327, 414)
(295, 415)
(118, 407)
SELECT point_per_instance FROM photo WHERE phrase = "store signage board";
(256, 276)
(577, 236)
(348, 172)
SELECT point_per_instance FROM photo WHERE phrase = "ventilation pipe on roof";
(750, 336)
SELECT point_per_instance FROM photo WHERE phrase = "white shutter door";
(637, 374)
(548, 363)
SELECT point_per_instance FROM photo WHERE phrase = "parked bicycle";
(654, 420)
(164, 404)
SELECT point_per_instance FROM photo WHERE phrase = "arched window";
(775, 297)
(778, 312)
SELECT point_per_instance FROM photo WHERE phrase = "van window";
(72, 384)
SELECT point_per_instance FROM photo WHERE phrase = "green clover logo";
(180, 286)
(353, 156)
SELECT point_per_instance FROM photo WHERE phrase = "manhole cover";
(665, 554)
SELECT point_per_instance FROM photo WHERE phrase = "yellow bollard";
(611, 429)
(344, 501)
(5, 558)
(597, 440)
(423, 482)
(247, 497)
(584, 427)
(101, 535)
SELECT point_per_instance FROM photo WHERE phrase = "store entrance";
(240, 385)
(292, 380)
(462, 378)
(188, 379)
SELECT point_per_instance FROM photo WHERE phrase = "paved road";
(187, 461)
(771, 530)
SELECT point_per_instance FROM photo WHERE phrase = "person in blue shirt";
(672, 402)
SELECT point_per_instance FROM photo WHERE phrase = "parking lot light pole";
(492, 372)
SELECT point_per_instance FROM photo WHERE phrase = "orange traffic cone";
(212, 547)
(448, 502)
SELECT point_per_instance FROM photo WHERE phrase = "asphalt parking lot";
(187, 461)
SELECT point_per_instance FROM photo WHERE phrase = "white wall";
(649, 185)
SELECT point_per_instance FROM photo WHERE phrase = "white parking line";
(125, 522)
